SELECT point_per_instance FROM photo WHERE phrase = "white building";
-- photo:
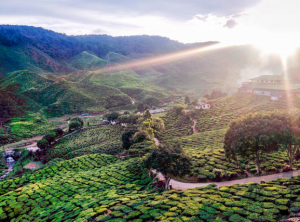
(202, 105)
(273, 86)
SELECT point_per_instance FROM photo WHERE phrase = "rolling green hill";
(74, 93)
(87, 61)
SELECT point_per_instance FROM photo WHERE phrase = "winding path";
(195, 130)
(184, 186)
(156, 141)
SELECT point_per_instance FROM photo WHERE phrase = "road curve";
(184, 186)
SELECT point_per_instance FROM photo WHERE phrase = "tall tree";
(253, 137)
(187, 99)
(168, 160)
(147, 115)
(178, 108)
(289, 133)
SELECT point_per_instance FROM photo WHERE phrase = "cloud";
(172, 9)
(98, 31)
(231, 23)
(201, 17)
(185, 21)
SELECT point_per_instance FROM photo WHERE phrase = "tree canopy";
(170, 161)
(252, 137)
(112, 116)
(215, 94)
(255, 135)
(178, 108)
(187, 99)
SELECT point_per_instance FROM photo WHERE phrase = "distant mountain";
(47, 52)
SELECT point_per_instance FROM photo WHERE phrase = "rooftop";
(157, 111)
(269, 77)
(275, 86)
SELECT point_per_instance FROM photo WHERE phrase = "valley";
(94, 137)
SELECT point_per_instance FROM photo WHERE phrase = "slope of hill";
(13, 104)
(134, 87)
(24, 81)
(206, 147)
(76, 93)
(87, 61)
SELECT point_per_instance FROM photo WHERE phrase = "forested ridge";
(60, 46)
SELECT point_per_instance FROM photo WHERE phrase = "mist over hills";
(68, 73)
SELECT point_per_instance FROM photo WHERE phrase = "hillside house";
(154, 111)
(202, 105)
(84, 115)
(274, 86)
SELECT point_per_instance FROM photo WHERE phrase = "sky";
(272, 24)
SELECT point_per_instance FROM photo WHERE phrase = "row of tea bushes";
(73, 188)
(31, 126)
(207, 153)
(117, 191)
(175, 126)
(112, 147)
(56, 167)
(83, 139)
(237, 105)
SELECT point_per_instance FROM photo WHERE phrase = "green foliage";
(187, 99)
(127, 140)
(111, 116)
(256, 134)
(89, 186)
(178, 109)
(175, 126)
(75, 124)
(141, 136)
(92, 140)
(147, 115)
(215, 94)
(171, 161)
(30, 126)
(42, 143)
(252, 137)
(87, 61)
(129, 118)
(91, 91)
(140, 107)
(50, 137)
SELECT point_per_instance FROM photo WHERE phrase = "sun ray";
(159, 60)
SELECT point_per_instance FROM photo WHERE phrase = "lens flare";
(159, 60)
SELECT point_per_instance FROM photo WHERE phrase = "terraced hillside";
(88, 141)
(206, 147)
(126, 83)
(239, 104)
(76, 93)
(99, 187)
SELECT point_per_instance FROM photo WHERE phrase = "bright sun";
(279, 44)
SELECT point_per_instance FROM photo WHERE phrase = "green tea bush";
(92, 140)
